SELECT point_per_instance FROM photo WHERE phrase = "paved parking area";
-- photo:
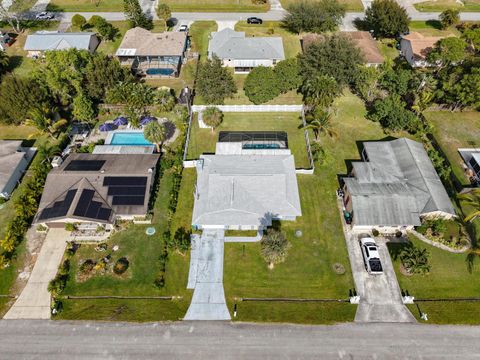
(206, 276)
(380, 295)
(34, 301)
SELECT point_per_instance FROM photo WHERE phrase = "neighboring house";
(94, 190)
(14, 160)
(247, 190)
(5, 40)
(363, 41)
(415, 47)
(394, 187)
(153, 54)
(36, 44)
(245, 53)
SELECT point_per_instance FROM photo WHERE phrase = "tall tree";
(43, 120)
(449, 17)
(472, 200)
(134, 14)
(392, 114)
(47, 152)
(320, 90)
(318, 16)
(213, 117)
(319, 121)
(163, 12)
(83, 108)
(288, 75)
(261, 85)
(335, 56)
(366, 82)
(386, 18)
(447, 50)
(214, 82)
(165, 100)
(472, 36)
(11, 17)
(155, 133)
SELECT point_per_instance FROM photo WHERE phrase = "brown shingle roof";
(141, 42)
(362, 39)
(421, 45)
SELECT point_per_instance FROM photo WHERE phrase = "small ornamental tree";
(163, 12)
(261, 85)
(134, 14)
(79, 21)
(214, 82)
(274, 247)
(212, 117)
(164, 100)
(83, 109)
(449, 17)
(155, 133)
(392, 114)
(320, 90)
(386, 18)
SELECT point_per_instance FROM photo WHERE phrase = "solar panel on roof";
(128, 200)
(124, 181)
(93, 209)
(59, 208)
(84, 202)
(85, 165)
(104, 214)
(120, 190)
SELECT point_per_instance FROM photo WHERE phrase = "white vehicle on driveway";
(371, 257)
(183, 28)
(45, 16)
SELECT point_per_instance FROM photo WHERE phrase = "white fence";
(250, 108)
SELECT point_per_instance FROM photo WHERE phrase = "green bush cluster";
(121, 265)
(58, 284)
(159, 281)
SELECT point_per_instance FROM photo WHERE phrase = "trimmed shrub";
(121, 266)
(375, 232)
(70, 227)
(79, 21)
(87, 266)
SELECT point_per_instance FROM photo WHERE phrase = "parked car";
(254, 20)
(371, 257)
(183, 28)
(44, 16)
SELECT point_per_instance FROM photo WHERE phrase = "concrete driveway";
(34, 301)
(206, 276)
(380, 295)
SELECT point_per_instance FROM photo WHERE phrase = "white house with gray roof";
(245, 53)
(395, 187)
(14, 160)
(36, 44)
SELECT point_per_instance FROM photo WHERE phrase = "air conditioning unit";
(57, 161)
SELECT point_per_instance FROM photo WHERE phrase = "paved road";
(34, 301)
(223, 340)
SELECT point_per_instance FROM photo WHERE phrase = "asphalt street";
(45, 339)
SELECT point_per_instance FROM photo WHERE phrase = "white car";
(371, 257)
(44, 16)
(183, 28)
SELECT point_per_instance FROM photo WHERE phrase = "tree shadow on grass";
(434, 24)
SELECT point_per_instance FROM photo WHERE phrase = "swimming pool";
(129, 138)
(261, 146)
(160, 71)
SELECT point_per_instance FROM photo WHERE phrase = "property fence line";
(294, 300)
(250, 108)
(187, 138)
(309, 148)
(474, 299)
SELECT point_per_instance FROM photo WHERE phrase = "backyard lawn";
(291, 42)
(216, 6)
(351, 5)
(448, 278)
(440, 5)
(204, 140)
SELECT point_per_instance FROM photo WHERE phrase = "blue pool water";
(159, 71)
(261, 146)
(129, 138)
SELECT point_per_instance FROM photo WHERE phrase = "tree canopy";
(83, 109)
(317, 16)
(288, 76)
(448, 50)
(79, 21)
(214, 82)
(155, 133)
(449, 17)
(261, 85)
(386, 18)
(391, 113)
(212, 116)
(134, 14)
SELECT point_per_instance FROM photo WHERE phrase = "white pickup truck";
(371, 257)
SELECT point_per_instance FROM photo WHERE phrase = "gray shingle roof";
(53, 40)
(396, 185)
(230, 44)
(9, 160)
(245, 190)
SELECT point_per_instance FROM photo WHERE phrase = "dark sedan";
(254, 20)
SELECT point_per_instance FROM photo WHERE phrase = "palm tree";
(274, 247)
(4, 62)
(472, 200)
(155, 133)
(415, 260)
(320, 90)
(320, 122)
(47, 152)
(212, 117)
(42, 119)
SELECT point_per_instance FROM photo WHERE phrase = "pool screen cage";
(278, 139)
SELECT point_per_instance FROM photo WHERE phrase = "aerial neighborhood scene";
(309, 162)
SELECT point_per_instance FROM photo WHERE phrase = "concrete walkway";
(34, 301)
(206, 276)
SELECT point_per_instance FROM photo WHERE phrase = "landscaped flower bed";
(447, 232)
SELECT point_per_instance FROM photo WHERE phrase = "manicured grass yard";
(448, 278)
(432, 28)
(440, 5)
(291, 42)
(85, 5)
(204, 140)
(351, 5)
(199, 33)
(216, 6)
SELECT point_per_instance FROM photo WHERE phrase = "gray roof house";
(42, 41)
(245, 192)
(244, 53)
(97, 189)
(14, 160)
(394, 187)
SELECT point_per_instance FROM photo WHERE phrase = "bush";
(95, 20)
(70, 227)
(375, 232)
(87, 266)
(398, 234)
(121, 266)
(159, 281)
(274, 247)
(415, 260)
(78, 21)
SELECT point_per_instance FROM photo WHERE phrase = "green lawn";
(216, 6)
(85, 5)
(291, 42)
(448, 278)
(200, 32)
(453, 131)
(432, 28)
(388, 49)
(204, 140)
(440, 5)
(351, 5)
